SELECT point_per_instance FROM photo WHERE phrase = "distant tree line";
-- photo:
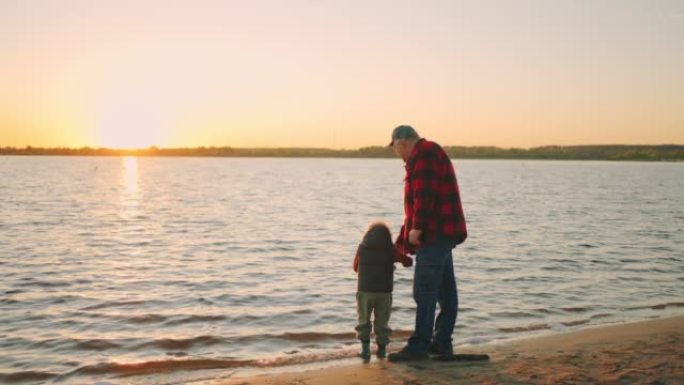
(589, 152)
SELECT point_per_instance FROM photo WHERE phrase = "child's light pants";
(379, 303)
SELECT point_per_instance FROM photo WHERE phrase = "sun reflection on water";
(130, 174)
(130, 197)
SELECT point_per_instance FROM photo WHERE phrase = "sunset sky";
(340, 74)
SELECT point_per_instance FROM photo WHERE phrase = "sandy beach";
(646, 352)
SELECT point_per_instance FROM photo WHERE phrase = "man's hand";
(414, 237)
(407, 262)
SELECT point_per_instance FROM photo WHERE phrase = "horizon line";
(157, 148)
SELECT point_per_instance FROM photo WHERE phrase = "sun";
(131, 128)
(128, 139)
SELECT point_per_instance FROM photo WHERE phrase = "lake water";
(164, 268)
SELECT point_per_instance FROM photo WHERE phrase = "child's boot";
(365, 351)
(382, 352)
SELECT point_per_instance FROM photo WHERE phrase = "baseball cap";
(403, 132)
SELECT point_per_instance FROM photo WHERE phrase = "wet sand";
(647, 352)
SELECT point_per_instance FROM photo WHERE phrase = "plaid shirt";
(432, 202)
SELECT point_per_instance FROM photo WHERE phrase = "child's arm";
(405, 260)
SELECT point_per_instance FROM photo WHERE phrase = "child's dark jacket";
(374, 262)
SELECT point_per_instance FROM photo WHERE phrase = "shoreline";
(614, 152)
(639, 352)
(360, 157)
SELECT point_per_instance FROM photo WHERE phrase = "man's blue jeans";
(434, 282)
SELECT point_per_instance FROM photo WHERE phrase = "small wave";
(477, 340)
(67, 344)
(181, 344)
(564, 266)
(219, 243)
(19, 342)
(587, 245)
(248, 299)
(96, 344)
(9, 301)
(661, 248)
(25, 376)
(512, 314)
(63, 299)
(308, 337)
(633, 278)
(537, 278)
(195, 319)
(543, 294)
(44, 284)
(601, 315)
(520, 329)
(245, 319)
(575, 323)
(543, 326)
(660, 306)
(576, 309)
(666, 305)
(146, 319)
(297, 359)
(629, 260)
(171, 365)
(559, 328)
(646, 270)
(109, 304)
(163, 366)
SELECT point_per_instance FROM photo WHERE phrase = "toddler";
(374, 263)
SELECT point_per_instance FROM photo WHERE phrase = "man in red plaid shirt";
(433, 225)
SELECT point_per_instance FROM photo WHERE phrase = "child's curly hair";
(383, 228)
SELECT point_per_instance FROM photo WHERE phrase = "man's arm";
(400, 239)
(403, 243)
(424, 184)
(355, 265)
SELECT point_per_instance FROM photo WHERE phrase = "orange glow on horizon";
(130, 75)
(127, 141)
